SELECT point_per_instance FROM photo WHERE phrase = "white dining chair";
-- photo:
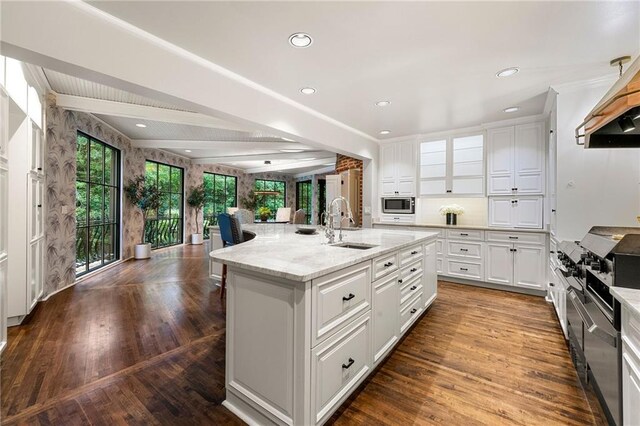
(232, 210)
(283, 214)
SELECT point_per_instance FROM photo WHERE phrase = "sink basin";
(357, 246)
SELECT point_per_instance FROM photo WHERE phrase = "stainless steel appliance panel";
(574, 319)
(399, 205)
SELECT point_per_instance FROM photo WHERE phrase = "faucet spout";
(331, 215)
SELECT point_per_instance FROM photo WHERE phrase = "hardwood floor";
(143, 343)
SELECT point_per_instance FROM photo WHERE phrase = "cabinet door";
(500, 171)
(433, 168)
(35, 149)
(4, 263)
(630, 388)
(386, 311)
(430, 274)
(529, 266)
(34, 290)
(406, 187)
(467, 165)
(528, 212)
(499, 263)
(529, 158)
(4, 124)
(406, 160)
(388, 188)
(501, 212)
(388, 162)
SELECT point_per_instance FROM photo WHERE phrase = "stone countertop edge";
(629, 297)
(366, 255)
(474, 227)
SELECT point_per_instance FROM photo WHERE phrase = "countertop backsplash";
(476, 210)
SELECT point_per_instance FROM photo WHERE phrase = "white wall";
(594, 186)
(476, 210)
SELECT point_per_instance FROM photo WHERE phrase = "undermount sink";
(357, 246)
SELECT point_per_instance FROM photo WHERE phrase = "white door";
(430, 274)
(467, 165)
(433, 168)
(500, 161)
(528, 212)
(386, 300)
(529, 158)
(388, 162)
(501, 211)
(499, 263)
(529, 266)
(630, 388)
(334, 189)
(406, 160)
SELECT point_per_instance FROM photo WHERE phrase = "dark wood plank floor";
(143, 343)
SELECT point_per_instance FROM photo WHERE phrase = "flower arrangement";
(264, 213)
(451, 209)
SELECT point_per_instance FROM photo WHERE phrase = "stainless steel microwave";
(399, 205)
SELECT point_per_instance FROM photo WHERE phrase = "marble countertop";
(629, 297)
(278, 251)
(477, 227)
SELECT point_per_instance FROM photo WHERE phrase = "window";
(221, 192)
(274, 200)
(97, 204)
(304, 198)
(164, 227)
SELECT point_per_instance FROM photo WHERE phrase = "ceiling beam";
(222, 145)
(142, 112)
(321, 171)
(261, 157)
(290, 166)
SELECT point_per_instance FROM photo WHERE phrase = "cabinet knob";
(413, 288)
(39, 205)
(448, 191)
(414, 310)
(351, 296)
(551, 285)
(414, 252)
(39, 169)
(553, 210)
(400, 280)
(413, 270)
(348, 364)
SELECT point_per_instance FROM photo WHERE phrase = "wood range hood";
(615, 121)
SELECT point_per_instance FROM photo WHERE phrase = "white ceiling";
(435, 61)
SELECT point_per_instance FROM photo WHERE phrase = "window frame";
(214, 219)
(255, 188)
(308, 195)
(182, 204)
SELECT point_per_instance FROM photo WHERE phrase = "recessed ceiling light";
(511, 109)
(141, 125)
(300, 40)
(385, 132)
(507, 72)
(187, 150)
(291, 150)
(382, 103)
(308, 90)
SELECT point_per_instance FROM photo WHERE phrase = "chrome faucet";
(330, 228)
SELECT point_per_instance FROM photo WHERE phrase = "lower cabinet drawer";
(411, 271)
(411, 254)
(409, 289)
(465, 249)
(463, 269)
(440, 265)
(338, 298)
(516, 237)
(384, 265)
(337, 366)
(410, 312)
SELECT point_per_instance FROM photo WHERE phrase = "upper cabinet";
(398, 169)
(516, 159)
(452, 166)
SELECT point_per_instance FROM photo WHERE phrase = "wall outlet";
(367, 209)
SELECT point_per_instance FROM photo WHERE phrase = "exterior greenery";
(196, 200)
(97, 204)
(144, 196)
(164, 225)
(221, 191)
(264, 213)
(272, 201)
(304, 198)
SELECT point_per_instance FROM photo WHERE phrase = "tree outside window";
(221, 192)
(273, 201)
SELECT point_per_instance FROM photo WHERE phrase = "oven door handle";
(589, 324)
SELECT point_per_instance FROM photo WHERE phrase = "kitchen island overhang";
(307, 322)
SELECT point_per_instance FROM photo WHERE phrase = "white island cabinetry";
(301, 336)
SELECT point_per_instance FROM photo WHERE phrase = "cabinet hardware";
(448, 191)
(464, 249)
(39, 205)
(413, 288)
(386, 265)
(513, 250)
(400, 280)
(348, 364)
(414, 310)
(462, 234)
(351, 296)
(414, 252)
(413, 270)
(515, 201)
(463, 269)
(551, 285)
(513, 189)
(39, 168)
(553, 210)
(513, 238)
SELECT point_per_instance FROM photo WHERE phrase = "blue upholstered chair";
(231, 234)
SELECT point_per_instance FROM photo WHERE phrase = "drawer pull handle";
(464, 234)
(413, 288)
(351, 296)
(414, 252)
(513, 238)
(39, 205)
(413, 270)
(39, 169)
(464, 249)
(414, 310)
(400, 280)
(348, 364)
(386, 265)
(551, 284)
(463, 269)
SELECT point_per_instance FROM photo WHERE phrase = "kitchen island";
(307, 322)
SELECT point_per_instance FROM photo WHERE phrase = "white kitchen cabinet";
(398, 169)
(521, 265)
(430, 274)
(516, 212)
(4, 212)
(499, 263)
(630, 387)
(385, 315)
(398, 218)
(516, 160)
(452, 166)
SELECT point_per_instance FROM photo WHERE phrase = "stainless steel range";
(605, 257)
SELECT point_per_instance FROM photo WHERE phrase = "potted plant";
(264, 213)
(195, 200)
(451, 212)
(146, 198)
